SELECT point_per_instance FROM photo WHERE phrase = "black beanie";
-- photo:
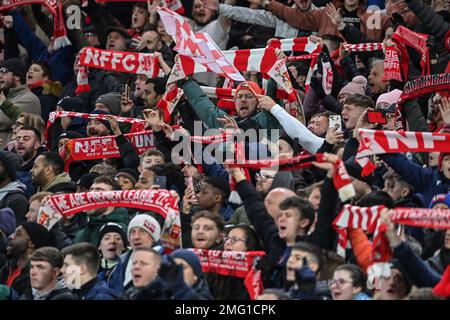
(37, 233)
(113, 227)
(221, 184)
(11, 163)
(87, 179)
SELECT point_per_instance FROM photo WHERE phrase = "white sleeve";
(296, 129)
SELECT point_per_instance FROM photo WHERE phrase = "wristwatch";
(341, 26)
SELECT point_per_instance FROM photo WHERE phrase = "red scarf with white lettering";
(374, 142)
(391, 65)
(55, 115)
(55, 8)
(117, 61)
(234, 264)
(93, 148)
(159, 201)
(341, 179)
(418, 87)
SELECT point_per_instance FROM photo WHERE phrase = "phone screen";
(334, 121)
(160, 181)
(376, 117)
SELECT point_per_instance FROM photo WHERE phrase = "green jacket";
(60, 178)
(208, 112)
(91, 231)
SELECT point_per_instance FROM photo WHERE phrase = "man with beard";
(101, 216)
(28, 147)
(27, 238)
(246, 103)
(11, 191)
(153, 91)
(48, 173)
(98, 128)
(14, 91)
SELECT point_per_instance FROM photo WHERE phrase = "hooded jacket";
(22, 98)
(13, 196)
(91, 231)
(62, 178)
(59, 292)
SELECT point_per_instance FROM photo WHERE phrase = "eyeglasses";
(262, 177)
(338, 282)
(233, 239)
(3, 70)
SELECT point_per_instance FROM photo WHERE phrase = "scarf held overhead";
(55, 115)
(341, 179)
(92, 148)
(374, 142)
(55, 8)
(159, 201)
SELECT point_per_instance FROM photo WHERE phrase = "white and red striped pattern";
(296, 44)
(169, 100)
(363, 47)
(199, 47)
(356, 218)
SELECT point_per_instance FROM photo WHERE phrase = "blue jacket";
(421, 274)
(61, 61)
(97, 290)
(427, 181)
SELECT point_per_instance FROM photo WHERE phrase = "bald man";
(271, 203)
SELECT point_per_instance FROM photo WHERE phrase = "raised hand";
(265, 102)
(114, 124)
(228, 122)
(334, 15)
(444, 108)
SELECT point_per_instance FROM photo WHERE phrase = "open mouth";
(93, 132)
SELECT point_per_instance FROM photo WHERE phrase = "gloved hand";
(316, 84)
(171, 272)
(306, 280)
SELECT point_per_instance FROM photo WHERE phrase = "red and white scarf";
(55, 8)
(304, 44)
(120, 61)
(391, 65)
(55, 115)
(368, 219)
(169, 101)
(356, 218)
(218, 138)
(174, 5)
(374, 142)
(363, 47)
(341, 179)
(93, 148)
(327, 77)
(197, 48)
(418, 87)
(404, 37)
(234, 264)
(159, 201)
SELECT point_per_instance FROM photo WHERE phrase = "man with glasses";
(14, 92)
(246, 103)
